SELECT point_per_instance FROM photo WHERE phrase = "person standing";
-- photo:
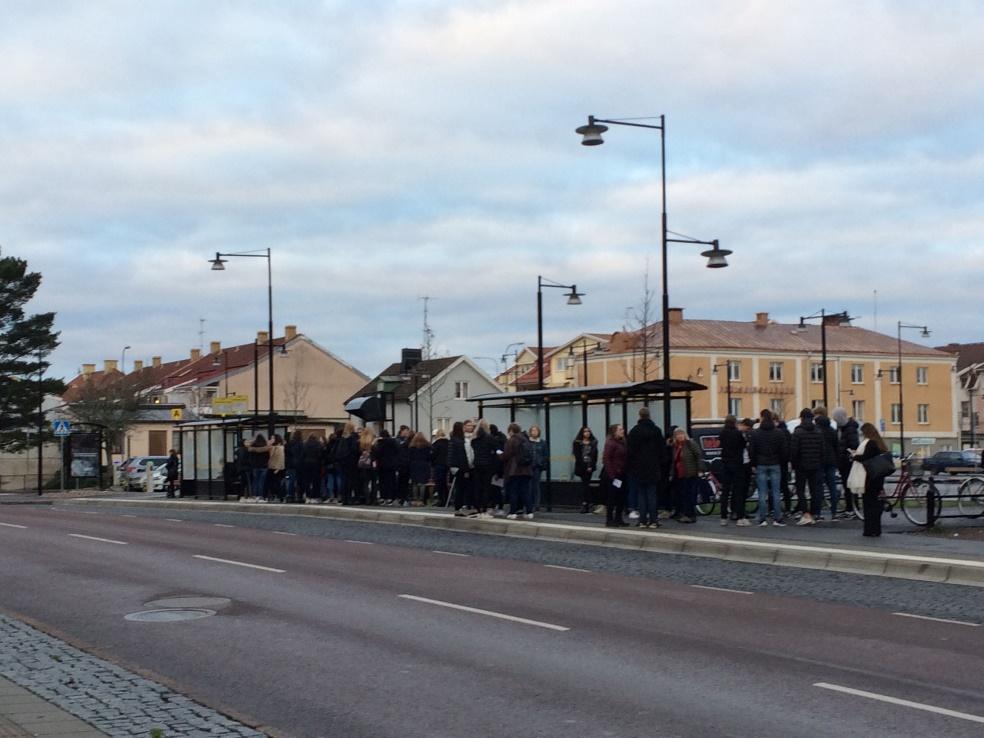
(807, 457)
(613, 461)
(874, 485)
(293, 453)
(172, 466)
(259, 461)
(439, 466)
(585, 452)
(497, 489)
(686, 472)
(828, 467)
(848, 439)
(368, 479)
(540, 454)
(346, 457)
(275, 470)
(311, 456)
(420, 469)
(386, 460)
(644, 466)
(734, 483)
(403, 482)
(485, 448)
(767, 452)
(460, 464)
(517, 468)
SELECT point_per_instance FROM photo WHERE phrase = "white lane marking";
(489, 613)
(13, 525)
(283, 533)
(240, 563)
(903, 703)
(722, 589)
(365, 543)
(567, 568)
(223, 525)
(127, 515)
(451, 553)
(101, 540)
(174, 520)
(936, 620)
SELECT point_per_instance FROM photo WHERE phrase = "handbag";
(879, 466)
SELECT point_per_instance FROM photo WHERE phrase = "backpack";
(526, 452)
(365, 460)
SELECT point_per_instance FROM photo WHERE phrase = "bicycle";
(909, 494)
(970, 497)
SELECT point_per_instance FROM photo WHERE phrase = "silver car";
(136, 470)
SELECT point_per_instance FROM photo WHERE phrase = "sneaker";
(512, 516)
(685, 519)
(764, 524)
(724, 522)
(743, 523)
(599, 510)
(529, 516)
(664, 515)
(807, 519)
(473, 515)
(777, 524)
(459, 513)
(633, 515)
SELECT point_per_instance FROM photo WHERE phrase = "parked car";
(943, 461)
(136, 469)
(160, 476)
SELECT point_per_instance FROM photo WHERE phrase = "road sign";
(231, 405)
(61, 428)
(176, 413)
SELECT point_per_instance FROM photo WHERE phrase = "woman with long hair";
(259, 459)
(460, 466)
(439, 467)
(872, 445)
(485, 447)
(585, 452)
(420, 469)
(275, 468)
(367, 473)
(540, 454)
(614, 459)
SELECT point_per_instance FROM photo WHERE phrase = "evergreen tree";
(25, 341)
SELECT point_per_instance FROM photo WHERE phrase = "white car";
(136, 470)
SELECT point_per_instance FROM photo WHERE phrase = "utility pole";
(201, 334)
(427, 345)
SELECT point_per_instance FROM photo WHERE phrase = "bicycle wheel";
(970, 497)
(707, 506)
(858, 507)
(912, 499)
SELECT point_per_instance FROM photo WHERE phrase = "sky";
(390, 150)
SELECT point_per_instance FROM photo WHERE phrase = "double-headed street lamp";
(924, 332)
(716, 256)
(841, 317)
(218, 264)
(573, 298)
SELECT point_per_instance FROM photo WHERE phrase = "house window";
(778, 407)
(965, 410)
(922, 413)
(734, 407)
(922, 375)
(734, 371)
(564, 363)
(857, 410)
(775, 371)
(896, 412)
(461, 390)
(893, 375)
(816, 372)
(443, 424)
(816, 403)
(857, 373)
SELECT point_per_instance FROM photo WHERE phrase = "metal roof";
(652, 388)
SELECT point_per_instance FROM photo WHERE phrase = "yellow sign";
(177, 413)
(231, 405)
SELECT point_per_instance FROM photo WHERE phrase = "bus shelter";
(562, 412)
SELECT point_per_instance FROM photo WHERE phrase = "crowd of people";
(644, 477)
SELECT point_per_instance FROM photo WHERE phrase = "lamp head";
(802, 323)
(714, 369)
(925, 332)
(716, 256)
(218, 263)
(574, 297)
(591, 133)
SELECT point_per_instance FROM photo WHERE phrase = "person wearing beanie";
(807, 458)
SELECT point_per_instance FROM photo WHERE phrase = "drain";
(194, 602)
(172, 615)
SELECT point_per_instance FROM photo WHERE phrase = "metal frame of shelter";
(617, 396)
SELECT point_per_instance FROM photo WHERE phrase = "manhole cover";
(169, 615)
(189, 601)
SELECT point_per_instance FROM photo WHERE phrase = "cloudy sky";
(388, 150)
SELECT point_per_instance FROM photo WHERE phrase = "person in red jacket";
(614, 458)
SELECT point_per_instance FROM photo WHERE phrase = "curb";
(965, 572)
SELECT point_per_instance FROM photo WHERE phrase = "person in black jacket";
(767, 453)
(460, 465)
(292, 457)
(734, 483)
(497, 496)
(484, 447)
(311, 457)
(439, 465)
(346, 457)
(848, 438)
(828, 469)
(386, 458)
(874, 487)
(173, 465)
(646, 456)
(806, 455)
(585, 452)
(403, 482)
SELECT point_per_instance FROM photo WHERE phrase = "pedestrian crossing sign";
(61, 427)
(176, 413)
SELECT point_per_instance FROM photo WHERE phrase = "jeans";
(518, 490)
(633, 494)
(646, 494)
(535, 486)
(464, 490)
(767, 478)
(829, 475)
(257, 483)
(814, 479)
(334, 483)
(290, 483)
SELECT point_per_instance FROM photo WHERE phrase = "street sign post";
(61, 428)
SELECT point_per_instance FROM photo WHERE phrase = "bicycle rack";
(936, 499)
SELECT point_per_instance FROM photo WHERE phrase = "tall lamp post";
(727, 380)
(971, 388)
(823, 315)
(573, 298)
(40, 422)
(925, 334)
(716, 256)
(123, 359)
(218, 265)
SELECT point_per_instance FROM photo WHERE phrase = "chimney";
(138, 365)
(290, 332)
(761, 320)
(88, 369)
(262, 337)
(215, 347)
(676, 316)
(196, 354)
(109, 365)
(155, 362)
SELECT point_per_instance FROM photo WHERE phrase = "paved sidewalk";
(23, 714)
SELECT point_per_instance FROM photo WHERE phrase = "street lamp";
(727, 379)
(971, 388)
(218, 265)
(716, 256)
(924, 332)
(573, 298)
(822, 316)
(123, 359)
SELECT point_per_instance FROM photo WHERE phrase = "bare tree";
(296, 388)
(640, 318)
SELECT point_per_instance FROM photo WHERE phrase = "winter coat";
(767, 446)
(646, 448)
(539, 453)
(420, 464)
(850, 436)
(807, 448)
(584, 468)
(439, 452)
(311, 453)
(276, 462)
(403, 444)
(510, 458)
(484, 446)
(293, 452)
(259, 457)
(386, 454)
(688, 456)
(831, 450)
(732, 446)
(345, 453)
(172, 467)
(457, 455)
(614, 459)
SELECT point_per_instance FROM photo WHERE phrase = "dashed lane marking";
(174, 520)
(282, 533)
(488, 613)
(451, 553)
(936, 620)
(240, 563)
(902, 703)
(223, 525)
(13, 525)
(722, 589)
(96, 538)
(567, 568)
(364, 543)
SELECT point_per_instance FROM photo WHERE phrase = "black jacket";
(312, 453)
(767, 445)
(404, 446)
(386, 453)
(457, 455)
(293, 453)
(807, 449)
(646, 453)
(582, 469)
(850, 437)
(419, 464)
(439, 452)
(831, 450)
(484, 445)
(732, 446)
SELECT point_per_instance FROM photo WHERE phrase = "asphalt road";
(352, 637)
